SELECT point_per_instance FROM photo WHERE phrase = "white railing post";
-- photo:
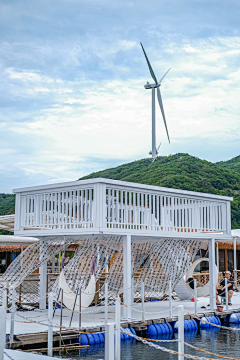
(195, 295)
(181, 332)
(2, 331)
(212, 274)
(50, 325)
(13, 309)
(143, 298)
(109, 341)
(106, 301)
(127, 275)
(226, 293)
(170, 298)
(117, 331)
(235, 261)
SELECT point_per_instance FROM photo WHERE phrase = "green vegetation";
(232, 164)
(7, 204)
(181, 171)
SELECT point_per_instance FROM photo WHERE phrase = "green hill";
(181, 171)
(232, 164)
(7, 204)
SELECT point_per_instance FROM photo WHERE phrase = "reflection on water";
(222, 342)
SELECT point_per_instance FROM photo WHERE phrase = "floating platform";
(27, 333)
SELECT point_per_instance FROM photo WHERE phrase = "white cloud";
(99, 109)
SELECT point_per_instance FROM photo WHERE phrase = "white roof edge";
(17, 240)
(120, 183)
(3, 217)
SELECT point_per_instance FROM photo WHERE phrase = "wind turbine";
(154, 86)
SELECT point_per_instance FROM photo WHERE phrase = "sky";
(72, 97)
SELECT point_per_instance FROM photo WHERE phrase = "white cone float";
(201, 290)
(69, 296)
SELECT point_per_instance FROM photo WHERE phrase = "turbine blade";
(161, 107)
(164, 76)
(149, 65)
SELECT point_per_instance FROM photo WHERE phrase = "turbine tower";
(154, 86)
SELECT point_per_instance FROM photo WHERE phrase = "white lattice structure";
(151, 232)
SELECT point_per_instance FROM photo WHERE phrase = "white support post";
(4, 299)
(143, 298)
(43, 286)
(195, 295)
(50, 325)
(109, 341)
(217, 253)
(170, 298)
(3, 331)
(106, 301)
(13, 309)
(181, 332)
(212, 274)
(117, 331)
(127, 276)
(226, 293)
(43, 280)
(235, 261)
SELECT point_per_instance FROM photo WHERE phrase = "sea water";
(222, 342)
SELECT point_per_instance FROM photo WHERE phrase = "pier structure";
(132, 213)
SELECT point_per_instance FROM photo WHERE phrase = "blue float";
(96, 338)
(233, 318)
(152, 330)
(159, 329)
(84, 339)
(203, 324)
(132, 331)
(101, 337)
(91, 339)
(165, 328)
(169, 327)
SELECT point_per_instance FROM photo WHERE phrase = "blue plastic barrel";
(159, 329)
(195, 324)
(169, 327)
(187, 326)
(96, 338)
(101, 337)
(84, 339)
(233, 318)
(203, 324)
(132, 331)
(165, 327)
(151, 330)
(91, 339)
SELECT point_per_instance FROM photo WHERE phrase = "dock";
(31, 326)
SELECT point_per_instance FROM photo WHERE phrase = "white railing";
(109, 205)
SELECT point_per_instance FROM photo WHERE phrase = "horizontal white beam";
(126, 185)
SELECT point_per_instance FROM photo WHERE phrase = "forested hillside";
(7, 204)
(232, 164)
(181, 171)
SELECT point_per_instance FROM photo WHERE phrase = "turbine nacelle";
(151, 86)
